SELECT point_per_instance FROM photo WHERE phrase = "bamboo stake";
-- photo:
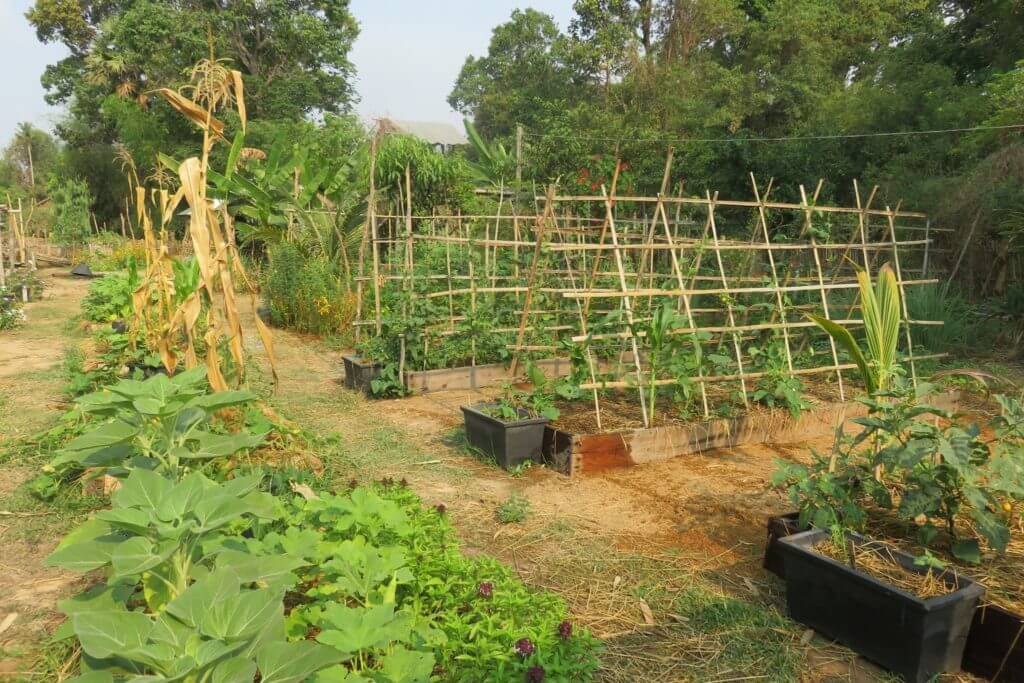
(824, 296)
(532, 278)
(609, 209)
(762, 219)
(725, 285)
(686, 304)
(371, 205)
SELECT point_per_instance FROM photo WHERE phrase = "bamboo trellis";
(592, 271)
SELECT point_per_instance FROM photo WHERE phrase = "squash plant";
(162, 423)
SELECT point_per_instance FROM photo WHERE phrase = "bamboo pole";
(686, 305)
(627, 307)
(372, 218)
(532, 278)
(727, 293)
(763, 221)
(822, 292)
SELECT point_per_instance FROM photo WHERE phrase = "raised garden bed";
(588, 453)
(509, 443)
(477, 376)
(916, 637)
(360, 373)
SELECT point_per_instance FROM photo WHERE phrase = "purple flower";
(353, 483)
(387, 482)
(441, 509)
(525, 648)
(565, 630)
(485, 590)
(535, 674)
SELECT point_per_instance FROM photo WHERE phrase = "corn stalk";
(164, 312)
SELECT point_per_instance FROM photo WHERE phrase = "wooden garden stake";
(903, 294)
(763, 221)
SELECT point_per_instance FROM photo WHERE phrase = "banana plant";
(880, 310)
(162, 423)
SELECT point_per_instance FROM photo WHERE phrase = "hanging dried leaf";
(193, 112)
(236, 77)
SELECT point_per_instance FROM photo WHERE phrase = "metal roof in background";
(434, 132)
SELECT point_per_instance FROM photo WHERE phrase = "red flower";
(485, 589)
(565, 630)
(535, 674)
(525, 648)
(593, 186)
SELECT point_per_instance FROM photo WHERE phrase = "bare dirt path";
(30, 400)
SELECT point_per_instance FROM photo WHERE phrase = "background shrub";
(306, 293)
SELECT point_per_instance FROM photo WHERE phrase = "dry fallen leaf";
(616, 582)
(303, 491)
(807, 636)
(648, 614)
(8, 621)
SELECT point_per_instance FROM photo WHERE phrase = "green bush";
(306, 293)
(11, 314)
(938, 302)
(71, 200)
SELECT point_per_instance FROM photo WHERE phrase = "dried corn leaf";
(193, 112)
(236, 77)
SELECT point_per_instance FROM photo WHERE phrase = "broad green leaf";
(234, 670)
(240, 616)
(84, 556)
(137, 555)
(251, 568)
(209, 445)
(407, 666)
(184, 496)
(351, 629)
(293, 662)
(109, 634)
(222, 399)
(133, 520)
(191, 605)
(968, 550)
(103, 436)
(142, 489)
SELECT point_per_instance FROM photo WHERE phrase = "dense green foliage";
(629, 75)
(306, 293)
(924, 469)
(71, 200)
(293, 55)
(215, 570)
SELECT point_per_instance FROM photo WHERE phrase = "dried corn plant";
(168, 302)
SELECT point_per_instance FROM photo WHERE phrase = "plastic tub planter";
(914, 637)
(510, 443)
(360, 373)
(780, 527)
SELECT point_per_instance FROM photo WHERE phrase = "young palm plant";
(880, 310)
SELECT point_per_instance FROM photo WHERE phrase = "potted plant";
(360, 372)
(511, 429)
(909, 615)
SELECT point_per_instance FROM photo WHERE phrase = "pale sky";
(407, 57)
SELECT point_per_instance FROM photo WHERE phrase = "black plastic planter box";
(995, 647)
(914, 637)
(510, 443)
(360, 373)
(780, 527)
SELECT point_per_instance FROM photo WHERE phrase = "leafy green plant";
(162, 423)
(917, 460)
(71, 200)
(514, 404)
(880, 310)
(513, 511)
(11, 313)
(778, 387)
(160, 532)
(110, 297)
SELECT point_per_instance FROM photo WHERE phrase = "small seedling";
(514, 510)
